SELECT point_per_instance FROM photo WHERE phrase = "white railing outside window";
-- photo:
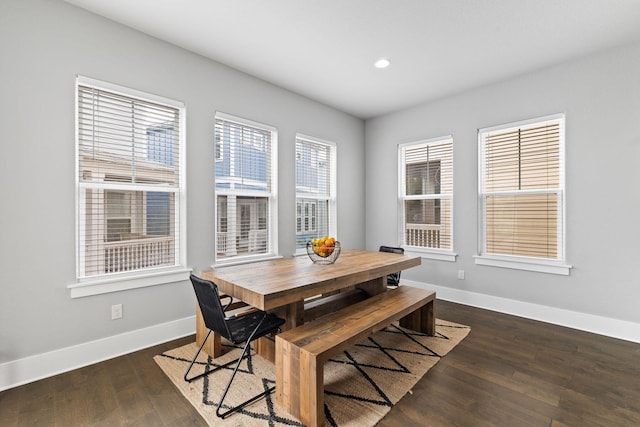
(221, 242)
(137, 254)
(427, 235)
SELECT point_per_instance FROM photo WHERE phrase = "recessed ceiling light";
(382, 63)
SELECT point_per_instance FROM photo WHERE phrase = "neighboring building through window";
(129, 180)
(315, 190)
(245, 176)
(522, 194)
(426, 195)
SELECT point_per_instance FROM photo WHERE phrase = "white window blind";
(426, 194)
(245, 188)
(315, 190)
(129, 180)
(522, 189)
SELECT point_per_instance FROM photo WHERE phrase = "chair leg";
(193, 361)
(245, 403)
(247, 346)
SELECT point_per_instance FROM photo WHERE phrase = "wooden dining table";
(282, 285)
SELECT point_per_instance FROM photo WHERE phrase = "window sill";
(245, 260)
(122, 283)
(528, 264)
(433, 254)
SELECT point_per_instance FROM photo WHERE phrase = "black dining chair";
(241, 328)
(393, 279)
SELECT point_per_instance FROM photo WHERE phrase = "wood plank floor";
(509, 371)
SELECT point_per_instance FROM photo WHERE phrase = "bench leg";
(299, 383)
(422, 320)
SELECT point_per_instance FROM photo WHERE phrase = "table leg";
(374, 286)
(294, 315)
(213, 347)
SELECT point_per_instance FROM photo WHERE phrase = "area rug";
(361, 385)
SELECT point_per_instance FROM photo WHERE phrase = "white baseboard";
(614, 328)
(33, 368)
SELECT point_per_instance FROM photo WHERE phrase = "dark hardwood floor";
(509, 371)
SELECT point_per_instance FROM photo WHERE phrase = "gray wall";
(44, 44)
(600, 95)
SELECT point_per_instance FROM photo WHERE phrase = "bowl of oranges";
(324, 250)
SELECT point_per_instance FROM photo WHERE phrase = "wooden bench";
(302, 351)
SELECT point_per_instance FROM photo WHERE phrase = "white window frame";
(107, 283)
(448, 255)
(331, 197)
(528, 263)
(272, 226)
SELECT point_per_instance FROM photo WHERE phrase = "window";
(522, 195)
(315, 190)
(426, 197)
(130, 182)
(245, 189)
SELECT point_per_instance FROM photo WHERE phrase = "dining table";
(282, 286)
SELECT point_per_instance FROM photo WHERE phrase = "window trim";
(102, 284)
(523, 263)
(528, 263)
(437, 254)
(333, 187)
(125, 282)
(273, 203)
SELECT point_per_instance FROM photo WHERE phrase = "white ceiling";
(325, 49)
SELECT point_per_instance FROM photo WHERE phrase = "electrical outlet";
(461, 274)
(116, 311)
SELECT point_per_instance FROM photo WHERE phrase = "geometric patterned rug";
(361, 384)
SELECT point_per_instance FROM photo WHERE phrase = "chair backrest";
(394, 278)
(210, 305)
(392, 249)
